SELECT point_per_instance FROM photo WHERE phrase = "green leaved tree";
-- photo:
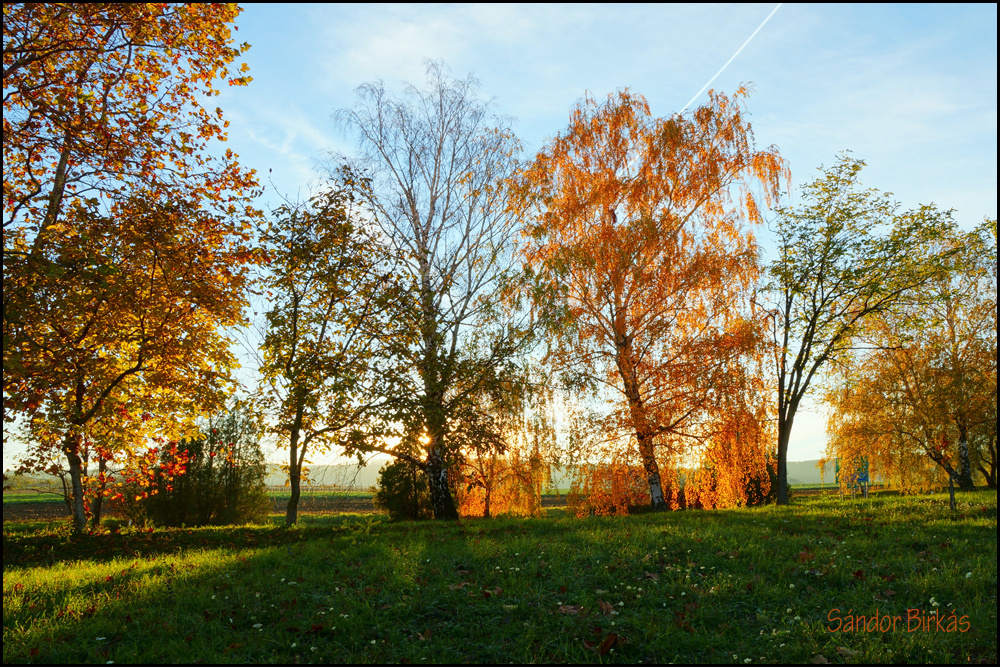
(845, 255)
(334, 330)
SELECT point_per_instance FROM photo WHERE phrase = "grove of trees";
(475, 314)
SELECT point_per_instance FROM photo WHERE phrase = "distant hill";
(806, 472)
(351, 476)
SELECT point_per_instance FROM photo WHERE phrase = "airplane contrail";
(731, 59)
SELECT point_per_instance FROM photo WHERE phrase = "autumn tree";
(637, 230)
(104, 106)
(437, 159)
(928, 385)
(335, 328)
(844, 255)
(126, 319)
(125, 242)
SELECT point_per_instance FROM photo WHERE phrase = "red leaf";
(609, 643)
(860, 575)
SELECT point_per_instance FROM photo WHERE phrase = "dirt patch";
(34, 512)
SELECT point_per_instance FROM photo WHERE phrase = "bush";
(403, 492)
(222, 483)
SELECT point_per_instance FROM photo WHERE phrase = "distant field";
(28, 497)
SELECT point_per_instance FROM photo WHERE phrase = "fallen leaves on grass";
(610, 641)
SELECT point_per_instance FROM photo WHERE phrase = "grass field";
(735, 586)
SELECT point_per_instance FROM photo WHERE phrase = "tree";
(437, 159)
(335, 326)
(844, 256)
(103, 109)
(99, 98)
(635, 232)
(125, 320)
(928, 387)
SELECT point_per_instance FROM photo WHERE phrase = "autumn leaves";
(636, 225)
(126, 242)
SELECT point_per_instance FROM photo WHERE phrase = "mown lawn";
(737, 586)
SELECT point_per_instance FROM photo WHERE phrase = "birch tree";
(637, 229)
(437, 158)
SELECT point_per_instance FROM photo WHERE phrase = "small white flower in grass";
(746, 661)
(291, 583)
(294, 645)
(791, 585)
(968, 575)
(788, 611)
(683, 594)
(373, 642)
(258, 626)
(101, 639)
(428, 560)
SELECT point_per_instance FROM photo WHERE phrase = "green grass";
(25, 498)
(733, 586)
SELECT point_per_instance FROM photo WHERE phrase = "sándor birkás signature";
(916, 621)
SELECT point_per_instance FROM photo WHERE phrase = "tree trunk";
(965, 475)
(640, 423)
(71, 447)
(784, 434)
(95, 518)
(294, 477)
(437, 477)
(295, 461)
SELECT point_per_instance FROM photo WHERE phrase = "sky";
(910, 89)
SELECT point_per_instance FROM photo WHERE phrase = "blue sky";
(911, 89)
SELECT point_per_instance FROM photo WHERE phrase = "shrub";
(215, 479)
(403, 492)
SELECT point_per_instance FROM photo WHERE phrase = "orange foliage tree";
(637, 228)
(928, 387)
(508, 439)
(125, 242)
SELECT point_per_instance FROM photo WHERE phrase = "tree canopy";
(844, 255)
(637, 228)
